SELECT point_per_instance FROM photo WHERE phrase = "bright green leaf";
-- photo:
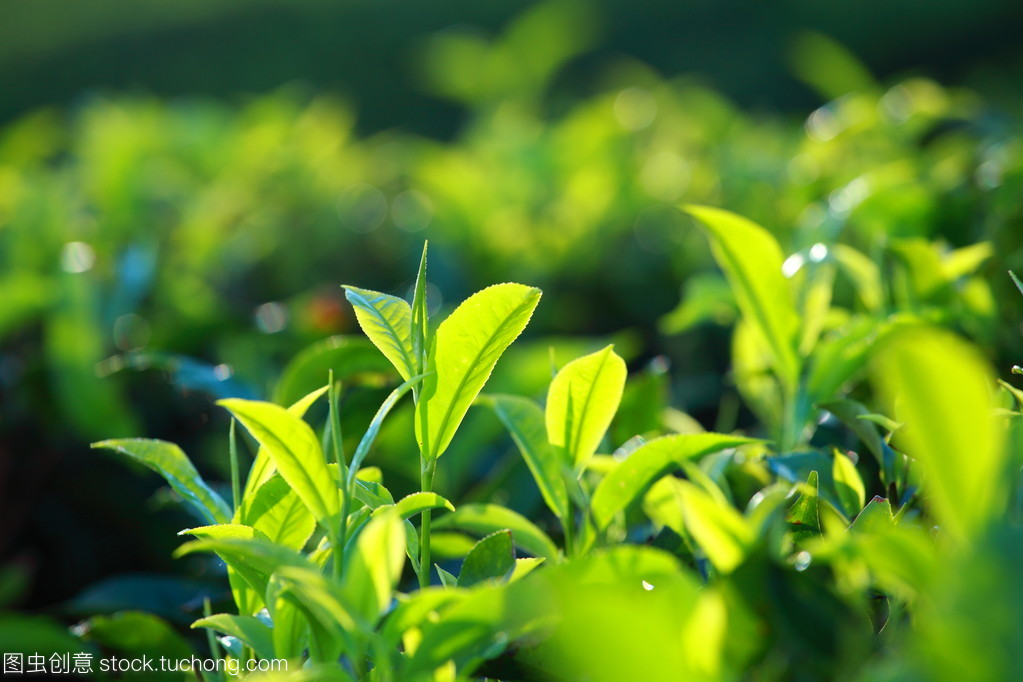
(633, 476)
(848, 484)
(253, 632)
(524, 420)
(466, 347)
(373, 569)
(493, 557)
(295, 451)
(752, 261)
(718, 528)
(413, 504)
(387, 321)
(263, 466)
(170, 462)
(581, 401)
(483, 519)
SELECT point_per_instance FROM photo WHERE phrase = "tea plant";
(687, 555)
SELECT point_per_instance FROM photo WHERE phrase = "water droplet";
(647, 586)
(802, 561)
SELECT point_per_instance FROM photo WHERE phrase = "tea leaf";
(752, 261)
(413, 504)
(941, 390)
(295, 450)
(333, 625)
(721, 532)
(466, 347)
(492, 557)
(277, 511)
(373, 569)
(387, 321)
(848, 484)
(581, 401)
(804, 515)
(349, 357)
(524, 420)
(170, 462)
(420, 318)
(249, 629)
(633, 476)
(262, 466)
(483, 519)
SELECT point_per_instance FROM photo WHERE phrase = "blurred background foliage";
(184, 187)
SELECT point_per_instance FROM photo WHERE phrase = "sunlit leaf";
(373, 569)
(295, 451)
(524, 420)
(848, 484)
(581, 401)
(941, 389)
(628, 481)
(483, 519)
(492, 557)
(170, 462)
(466, 347)
(253, 632)
(387, 321)
(752, 261)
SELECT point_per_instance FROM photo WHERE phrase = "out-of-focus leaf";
(718, 529)
(157, 594)
(492, 557)
(628, 481)
(170, 462)
(941, 389)
(848, 484)
(864, 274)
(804, 515)
(373, 569)
(581, 401)
(876, 515)
(37, 635)
(524, 420)
(387, 321)
(135, 634)
(466, 347)
(295, 451)
(483, 519)
(707, 298)
(752, 261)
(347, 356)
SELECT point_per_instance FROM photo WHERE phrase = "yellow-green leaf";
(581, 401)
(387, 321)
(465, 350)
(752, 260)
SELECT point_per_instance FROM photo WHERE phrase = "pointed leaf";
(524, 420)
(941, 389)
(752, 260)
(263, 466)
(804, 515)
(373, 569)
(483, 519)
(636, 473)
(387, 321)
(170, 462)
(416, 503)
(253, 632)
(420, 318)
(848, 484)
(581, 402)
(493, 557)
(277, 511)
(466, 347)
(295, 451)
(720, 531)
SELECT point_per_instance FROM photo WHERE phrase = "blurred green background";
(184, 186)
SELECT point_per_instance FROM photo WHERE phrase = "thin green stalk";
(236, 484)
(211, 640)
(568, 523)
(337, 447)
(429, 467)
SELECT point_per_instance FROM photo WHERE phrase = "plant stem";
(337, 446)
(568, 523)
(429, 467)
